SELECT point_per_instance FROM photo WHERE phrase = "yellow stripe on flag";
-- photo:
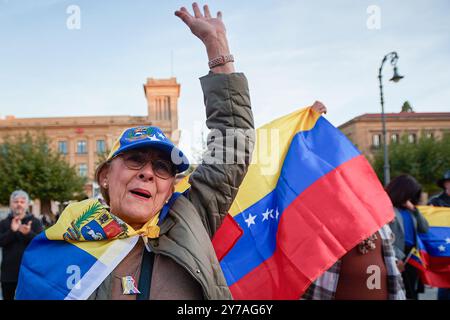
(436, 216)
(272, 143)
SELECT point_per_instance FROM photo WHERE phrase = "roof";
(405, 116)
(11, 121)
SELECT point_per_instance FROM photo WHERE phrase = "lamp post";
(393, 56)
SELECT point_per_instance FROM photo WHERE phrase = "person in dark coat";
(442, 200)
(404, 192)
(16, 232)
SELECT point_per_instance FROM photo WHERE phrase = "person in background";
(16, 232)
(405, 193)
(442, 200)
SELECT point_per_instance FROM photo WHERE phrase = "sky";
(292, 52)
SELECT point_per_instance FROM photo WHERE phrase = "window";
(62, 147)
(82, 147)
(429, 135)
(162, 106)
(101, 148)
(412, 138)
(376, 140)
(394, 138)
(82, 170)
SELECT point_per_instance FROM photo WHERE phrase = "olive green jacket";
(186, 233)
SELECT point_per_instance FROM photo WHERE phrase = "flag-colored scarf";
(73, 257)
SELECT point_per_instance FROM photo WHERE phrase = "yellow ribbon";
(149, 229)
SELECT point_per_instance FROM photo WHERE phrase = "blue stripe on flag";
(311, 155)
(436, 241)
(45, 268)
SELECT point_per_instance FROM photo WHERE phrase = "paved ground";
(430, 294)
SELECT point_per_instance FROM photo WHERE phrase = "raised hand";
(409, 205)
(25, 228)
(211, 31)
(204, 26)
(319, 107)
(15, 223)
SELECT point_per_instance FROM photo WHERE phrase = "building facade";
(82, 140)
(366, 133)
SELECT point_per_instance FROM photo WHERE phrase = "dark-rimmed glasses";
(136, 160)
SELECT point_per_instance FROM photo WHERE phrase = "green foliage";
(425, 160)
(406, 107)
(28, 164)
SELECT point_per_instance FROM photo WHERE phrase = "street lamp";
(395, 78)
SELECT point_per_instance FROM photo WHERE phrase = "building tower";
(162, 105)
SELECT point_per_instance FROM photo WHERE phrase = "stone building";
(82, 139)
(365, 131)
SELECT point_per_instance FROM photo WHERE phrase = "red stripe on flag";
(328, 219)
(226, 236)
(437, 271)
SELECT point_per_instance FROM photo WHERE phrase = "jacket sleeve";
(422, 223)
(6, 234)
(398, 245)
(215, 182)
(399, 238)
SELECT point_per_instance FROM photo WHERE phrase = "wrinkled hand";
(319, 107)
(15, 224)
(25, 228)
(204, 26)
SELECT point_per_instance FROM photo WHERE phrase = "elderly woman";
(151, 242)
(138, 178)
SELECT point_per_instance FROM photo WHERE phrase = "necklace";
(367, 244)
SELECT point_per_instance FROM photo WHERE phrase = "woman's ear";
(103, 177)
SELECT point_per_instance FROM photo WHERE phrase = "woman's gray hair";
(19, 194)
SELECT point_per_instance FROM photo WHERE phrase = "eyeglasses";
(136, 160)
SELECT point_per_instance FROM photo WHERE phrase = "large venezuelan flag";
(299, 217)
(432, 254)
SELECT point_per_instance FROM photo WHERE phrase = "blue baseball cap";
(149, 137)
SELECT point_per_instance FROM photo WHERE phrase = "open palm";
(204, 26)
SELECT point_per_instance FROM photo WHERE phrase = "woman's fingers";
(184, 15)
(207, 13)
(197, 12)
(319, 107)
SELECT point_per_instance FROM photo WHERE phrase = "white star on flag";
(250, 220)
(154, 138)
(277, 214)
(447, 240)
(267, 214)
(441, 248)
(161, 135)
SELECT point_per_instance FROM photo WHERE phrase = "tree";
(29, 164)
(425, 160)
(406, 107)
